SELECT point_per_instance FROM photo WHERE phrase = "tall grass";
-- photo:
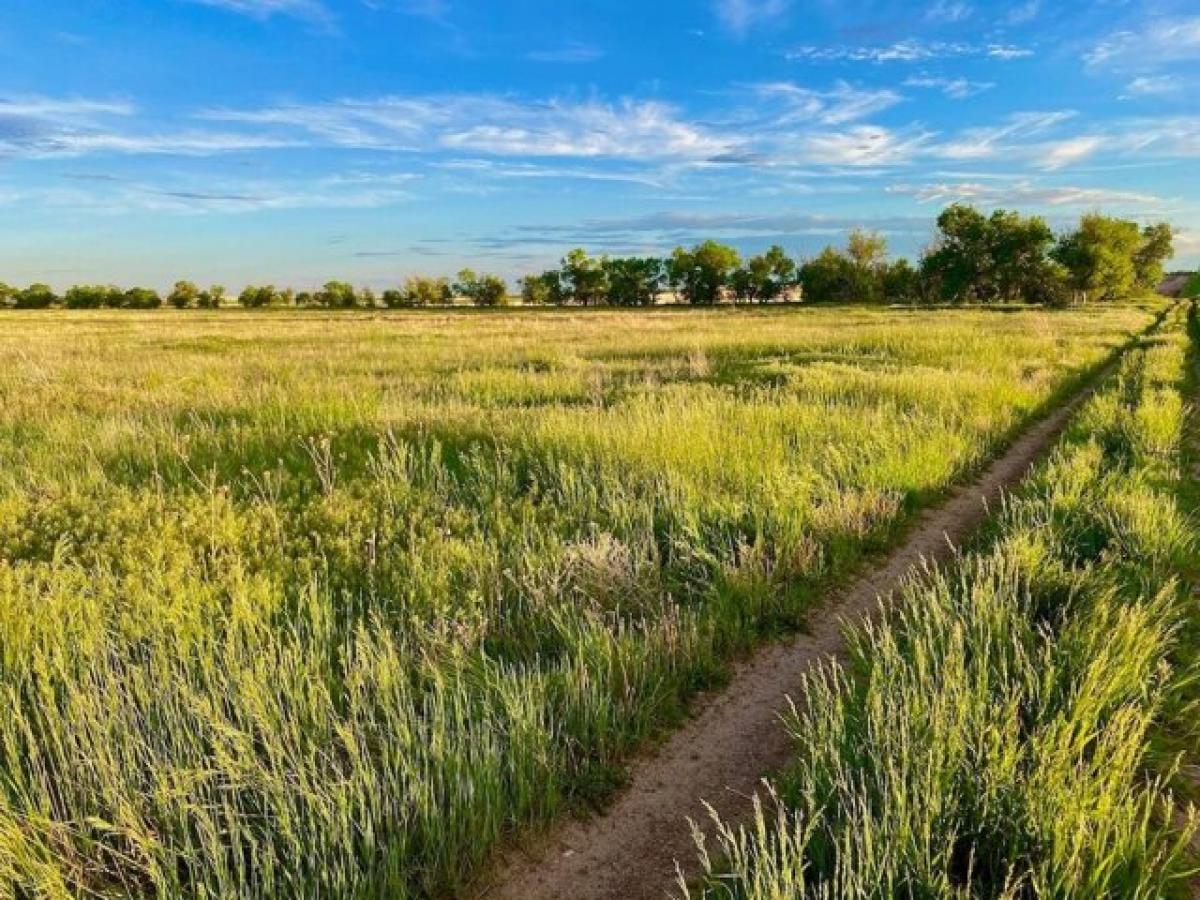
(989, 734)
(327, 606)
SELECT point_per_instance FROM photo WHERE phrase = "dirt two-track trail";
(721, 754)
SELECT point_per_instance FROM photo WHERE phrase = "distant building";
(1173, 284)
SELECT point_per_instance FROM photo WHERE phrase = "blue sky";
(295, 141)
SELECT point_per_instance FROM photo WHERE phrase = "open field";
(996, 733)
(320, 605)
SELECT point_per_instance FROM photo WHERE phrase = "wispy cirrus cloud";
(310, 10)
(1153, 86)
(955, 88)
(991, 141)
(1156, 42)
(113, 195)
(906, 51)
(498, 125)
(948, 11)
(740, 16)
(1024, 193)
(568, 53)
(38, 127)
(784, 103)
(1023, 12)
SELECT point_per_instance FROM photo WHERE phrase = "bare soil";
(736, 737)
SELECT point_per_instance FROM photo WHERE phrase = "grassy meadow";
(316, 605)
(999, 733)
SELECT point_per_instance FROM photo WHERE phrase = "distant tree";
(8, 294)
(420, 290)
(1099, 257)
(482, 290)
(90, 296)
(702, 273)
(900, 282)
(304, 299)
(183, 295)
(763, 278)
(866, 249)
(585, 278)
(833, 277)
(633, 280)
(337, 295)
(960, 258)
(141, 298)
(1158, 245)
(257, 297)
(36, 296)
(211, 298)
(1018, 256)
(984, 259)
(544, 289)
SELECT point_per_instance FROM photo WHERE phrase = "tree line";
(1003, 257)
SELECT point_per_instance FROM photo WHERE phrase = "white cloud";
(1152, 86)
(955, 88)
(863, 145)
(948, 11)
(311, 10)
(569, 53)
(1057, 154)
(497, 125)
(1157, 42)
(36, 107)
(1007, 51)
(740, 16)
(38, 127)
(992, 141)
(1030, 193)
(1023, 12)
(906, 51)
(790, 103)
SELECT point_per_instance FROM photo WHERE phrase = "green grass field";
(998, 734)
(304, 605)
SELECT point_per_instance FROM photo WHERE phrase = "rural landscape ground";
(302, 604)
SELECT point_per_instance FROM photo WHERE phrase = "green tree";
(212, 297)
(764, 278)
(1099, 257)
(833, 277)
(8, 294)
(1158, 245)
(633, 280)
(257, 297)
(337, 295)
(36, 296)
(702, 273)
(984, 259)
(482, 290)
(183, 295)
(421, 290)
(1018, 247)
(543, 289)
(90, 296)
(866, 249)
(141, 298)
(960, 259)
(900, 282)
(585, 278)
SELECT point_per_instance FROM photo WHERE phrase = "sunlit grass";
(990, 735)
(317, 605)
